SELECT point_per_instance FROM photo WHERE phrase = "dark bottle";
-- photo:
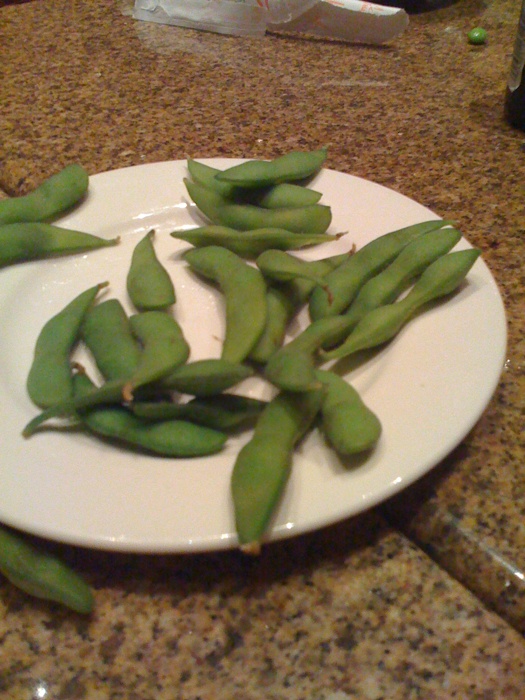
(515, 95)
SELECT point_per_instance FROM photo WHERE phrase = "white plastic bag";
(349, 20)
(222, 16)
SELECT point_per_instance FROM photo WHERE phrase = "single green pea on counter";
(477, 36)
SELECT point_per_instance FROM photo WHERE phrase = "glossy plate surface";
(428, 387)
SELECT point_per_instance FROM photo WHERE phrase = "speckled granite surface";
(355, 611)
(360, 609)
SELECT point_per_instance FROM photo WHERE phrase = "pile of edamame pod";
(153, 398)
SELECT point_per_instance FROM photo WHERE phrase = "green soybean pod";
(149, 285)
(314, 218)
(286, 195)
(311, 219)
(347, 423)
(262, 467)
(23, 242)
(244, 292)
(207, 201)
(251, 243)
(220, 411)
(204, 175)
(49, 378)
(42, 575)
(301, 288)
(280, 311)
(53, 197)
(291, 167)
(106, 331)
(285, 297)
(380, 325)
(168, 438)
(345, 281)
(280, 266)
(292, 367)
(108, 393)
(164, 348)
(385, 287)
(206, 377)
(273, 197)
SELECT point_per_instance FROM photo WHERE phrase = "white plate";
(429, 386)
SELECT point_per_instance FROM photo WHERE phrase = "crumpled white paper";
(347, 20)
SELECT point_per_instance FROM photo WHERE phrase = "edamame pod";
(23, 242)
(49, 378)
(249, 244)
(204, 175)
(285, 194)
(348, 425)
(292, 367)
(385, 287)
(148, 283)
(380, 325)
(293, 166)
(345, 281)
(42, 575)
(280, 266)
(51, 198)
(164, 348)
(244, 292)
(284, 298)
(106, 332)
(118, 390)
(280, 310)
(207, 201)
(220, 411)
(301, 287)
(262, 467)
(168, 438)
(314, 218)
(206, 377)
(108, 393)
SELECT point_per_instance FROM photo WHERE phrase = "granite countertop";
(421, 597)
